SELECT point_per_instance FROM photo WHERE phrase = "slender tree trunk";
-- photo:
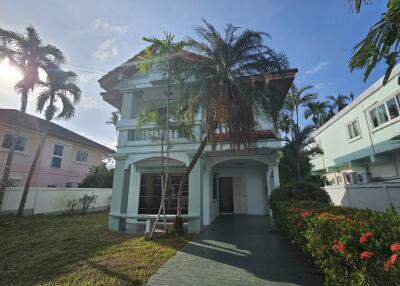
(32, 171)
(10, 156)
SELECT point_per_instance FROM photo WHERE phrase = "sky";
(96, 36)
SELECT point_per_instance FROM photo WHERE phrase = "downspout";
(369, 135)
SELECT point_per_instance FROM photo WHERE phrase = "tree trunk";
(32, 171)
(10, 156)
(178, 219)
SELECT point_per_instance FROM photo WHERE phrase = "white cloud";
(319, 85)
(316, 68)
(105, 26)
(105, 51)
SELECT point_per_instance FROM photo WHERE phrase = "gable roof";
(34, 123)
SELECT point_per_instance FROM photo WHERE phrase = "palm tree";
(297, 150)
(340, 101)
(59, 86)
(29, 55)
(317, 110)
(297, 98)
(228, 82)
(285, 123)
(164, 57)
(380, 44)
(114, 119)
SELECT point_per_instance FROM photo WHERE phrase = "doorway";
(225, 194)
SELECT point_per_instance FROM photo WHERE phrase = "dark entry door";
(225, 195)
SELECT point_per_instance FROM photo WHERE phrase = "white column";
(133, 195)
(268, 175)
(207, 196)
(114, 223)
(195, 196)
(275, 171)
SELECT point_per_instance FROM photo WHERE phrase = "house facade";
(65, 159)
(222, 181)
(361, 143)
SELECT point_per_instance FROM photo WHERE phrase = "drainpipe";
(369, 134)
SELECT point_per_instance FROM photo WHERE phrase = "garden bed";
(349, 246)
(77, 250)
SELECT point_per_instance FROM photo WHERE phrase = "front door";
(239, 195)
(225, 195)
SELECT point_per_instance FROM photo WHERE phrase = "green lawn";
(77, 250)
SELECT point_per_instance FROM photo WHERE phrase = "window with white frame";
(7, 141)
(385, 112)
(81, 156)
(57, 156)
(353, 130)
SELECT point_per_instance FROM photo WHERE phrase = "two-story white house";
(222, 181)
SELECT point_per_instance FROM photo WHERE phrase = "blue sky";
(317, 36)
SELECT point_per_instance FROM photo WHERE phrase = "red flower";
(395, 247)
(366, 254)
(338, 246)
(390, 262)
(304, 214)
(365, 237)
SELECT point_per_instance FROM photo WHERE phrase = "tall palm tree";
(225, 83)
(299, 97)
(317, 110)
(340, 101)
(164, 57)
(298, 148)
(59, 86)
(114, 119)
(29, 55)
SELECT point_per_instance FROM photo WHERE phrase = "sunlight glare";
(8, 72)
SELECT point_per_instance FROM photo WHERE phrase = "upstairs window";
(81, 156)
(385, 112)
(57, 156)
(21, 142)
(353, 130)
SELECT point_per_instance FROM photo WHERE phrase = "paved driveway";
(238, 250)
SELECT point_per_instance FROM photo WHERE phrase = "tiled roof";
(34, 123)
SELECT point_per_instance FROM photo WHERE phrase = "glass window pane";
(81, 156)
(351, 130)
(58, 150)
(56, 162)
(374, 118)
(356, 128)
(392, 107)
(20, 146)
(7, 141)
(382, 115)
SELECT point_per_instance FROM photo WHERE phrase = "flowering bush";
(349, 246)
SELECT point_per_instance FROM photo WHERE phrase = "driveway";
(238, 250)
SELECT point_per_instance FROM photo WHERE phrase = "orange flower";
(366, 254)
(304, 214)
(365, 237)
(338, 246)
(390, 262)
(395, 247)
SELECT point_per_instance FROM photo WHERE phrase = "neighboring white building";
(361, 143)
(222, 181)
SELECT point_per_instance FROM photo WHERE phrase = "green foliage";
(86, 201)
(299, 191)
(98, 177)
(380, 44)
(349, 246)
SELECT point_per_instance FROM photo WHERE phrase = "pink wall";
(70, 171)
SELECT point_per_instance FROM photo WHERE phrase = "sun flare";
(8, 72)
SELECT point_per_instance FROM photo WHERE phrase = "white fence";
(372, 196)
(54, 200)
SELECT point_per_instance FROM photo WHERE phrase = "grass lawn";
(77, 250)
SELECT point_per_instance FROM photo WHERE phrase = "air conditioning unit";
(350, 178)
(364, 177)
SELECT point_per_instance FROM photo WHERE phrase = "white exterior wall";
(53, 200)
(377, 197)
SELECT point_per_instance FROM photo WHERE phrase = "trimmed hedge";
(349, 246)
(301, 191)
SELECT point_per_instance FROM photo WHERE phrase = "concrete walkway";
(237, 250)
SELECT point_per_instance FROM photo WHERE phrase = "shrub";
(349, 246)
(98, 177)
(301, 191)
(86, 201)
